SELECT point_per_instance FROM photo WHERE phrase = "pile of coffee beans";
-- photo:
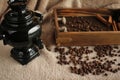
(83, 61)
(85, 23)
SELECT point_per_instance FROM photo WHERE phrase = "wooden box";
(84, 38)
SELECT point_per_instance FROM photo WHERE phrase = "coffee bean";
(118, 68)
(115, 59)
(85, 24)
(72, 70)
(118, 64)
(114, 51)
(105, 59)
(93, 73)
(115, 70)
(118, 51)
(116, 47)
(59, 62)
(115, 54)
(58, 57)
(105, 74)
(100, 64)
(93, 57)
(56, 49)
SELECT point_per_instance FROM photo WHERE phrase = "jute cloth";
(45, 66)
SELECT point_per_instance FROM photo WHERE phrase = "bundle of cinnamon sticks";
(110, 22)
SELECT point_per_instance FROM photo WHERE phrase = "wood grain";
(56, 22)
(89, 38)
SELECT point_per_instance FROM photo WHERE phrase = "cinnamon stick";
(114, 26)
(110, 19)
(95, 11)
(103, 20)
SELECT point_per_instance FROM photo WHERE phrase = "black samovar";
(21, 29)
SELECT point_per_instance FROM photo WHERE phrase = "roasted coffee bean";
(87, 59)
(93, 73)
(115, 70)
(59, 62)
(115, 54)
(111, 70)
(72, 70)
(100, 64)
(116, 47)
(115, 59)
(65, 62)
(85, 24)
(118, 64)
(58, 57)
(114, 51)
(105, 59)
(101, 60)
(94, 58)
(105, 74)
(118, 68)
(118, 51)
(56, 49)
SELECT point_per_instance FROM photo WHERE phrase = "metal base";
(24, 55)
